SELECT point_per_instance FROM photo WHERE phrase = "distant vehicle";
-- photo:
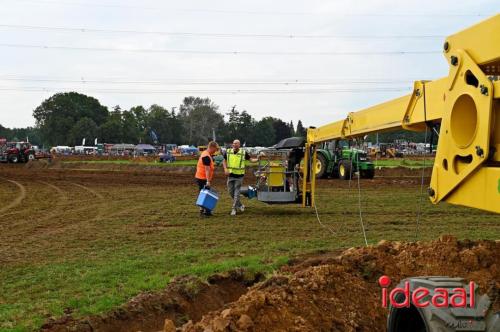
(15, 152)
(166, 157)
(187, 150)
(85, 149)
(61, 149)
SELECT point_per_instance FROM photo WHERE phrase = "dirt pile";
(185, 298)
(341, 293)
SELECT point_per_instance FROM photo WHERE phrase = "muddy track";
(18, 200)
(59, 206)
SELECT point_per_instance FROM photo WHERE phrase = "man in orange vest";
(205, 171)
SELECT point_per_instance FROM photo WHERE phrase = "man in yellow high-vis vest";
(234, 168)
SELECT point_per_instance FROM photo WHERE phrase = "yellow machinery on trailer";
(466, 105)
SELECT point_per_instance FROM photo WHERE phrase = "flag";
(153, 135)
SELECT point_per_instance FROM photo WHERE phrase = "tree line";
(68, 118)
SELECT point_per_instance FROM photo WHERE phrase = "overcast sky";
(309, 60)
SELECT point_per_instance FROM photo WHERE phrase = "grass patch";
(408, 163)
(93, 255)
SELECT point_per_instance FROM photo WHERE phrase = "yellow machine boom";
(466, 104)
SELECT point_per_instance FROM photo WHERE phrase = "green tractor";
(341, 161)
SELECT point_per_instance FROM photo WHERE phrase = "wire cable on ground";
(321, 224)
(419, 211)
(359, 203)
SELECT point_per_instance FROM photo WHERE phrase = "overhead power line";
(204, 82)
(213, 34)
(249, 12)
(210, 91)
(173, 51)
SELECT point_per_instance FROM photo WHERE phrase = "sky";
(309, 60)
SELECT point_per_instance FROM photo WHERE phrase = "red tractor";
(15, 152)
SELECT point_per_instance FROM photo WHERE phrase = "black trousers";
(201, 183)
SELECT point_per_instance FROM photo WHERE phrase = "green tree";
(200, 119)
(131, 132)
(264, 132)
(165, 124)
(281, 128)
(111, 131)
(141, 118)
(240, 126)
(57, 115)
(83, 128)
(301, 131)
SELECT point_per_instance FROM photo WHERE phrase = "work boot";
(233, 212)
(242, 208)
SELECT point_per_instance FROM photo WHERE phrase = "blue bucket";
(207, 199)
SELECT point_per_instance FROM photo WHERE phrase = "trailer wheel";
(320, 167)
(449, 319)
(345, 170)
(13, 159)
(31, 156)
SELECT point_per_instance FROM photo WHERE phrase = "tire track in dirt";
(18, 199)
(60, 203)
(97, 195)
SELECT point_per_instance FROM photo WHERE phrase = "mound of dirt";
(330, 292)
(185, 298)
(341, 293)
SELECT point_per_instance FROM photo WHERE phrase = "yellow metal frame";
(466, 103)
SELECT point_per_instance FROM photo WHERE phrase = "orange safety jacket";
(200, 168)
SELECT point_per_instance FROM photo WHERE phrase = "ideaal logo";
(420, 296)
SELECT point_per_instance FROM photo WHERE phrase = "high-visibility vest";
(200, 168)
(236, 161)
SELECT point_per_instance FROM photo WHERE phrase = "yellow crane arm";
(466, 103)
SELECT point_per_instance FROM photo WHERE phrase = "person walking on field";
(234, 168)
(205, 171)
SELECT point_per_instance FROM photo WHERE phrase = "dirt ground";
(79, 241)
(341, 293)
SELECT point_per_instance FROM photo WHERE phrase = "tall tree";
(264, 132)
(84, 128)
(292, 128)
(240, 126)
(57, 115)
(200, 119)
(111, 131)
(281, 129)
(301, 131)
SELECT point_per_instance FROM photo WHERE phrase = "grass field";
(408, 163)
(85, 243)
(382, 163)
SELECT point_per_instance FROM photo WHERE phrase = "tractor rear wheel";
(13, 159)
(320, 167)
(345, 170)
